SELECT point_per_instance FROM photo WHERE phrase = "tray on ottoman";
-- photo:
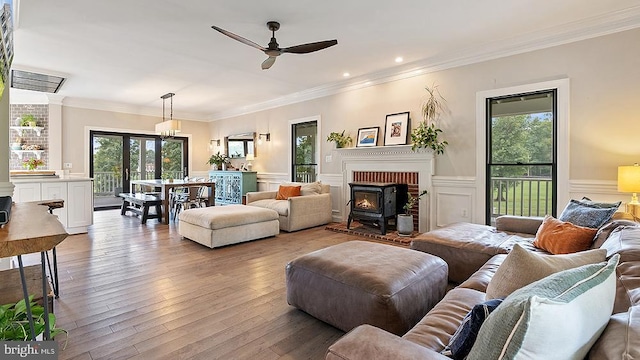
(359, 282)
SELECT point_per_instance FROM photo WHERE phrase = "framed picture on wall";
(368, 136)
(396, 128)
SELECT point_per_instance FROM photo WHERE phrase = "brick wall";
(29, 137)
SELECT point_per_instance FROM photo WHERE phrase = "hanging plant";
(425, 135)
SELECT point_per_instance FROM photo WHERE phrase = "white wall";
(604, 116)
(77, 121)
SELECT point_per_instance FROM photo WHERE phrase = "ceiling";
(126, 54)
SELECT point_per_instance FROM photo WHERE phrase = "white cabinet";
(80, 209)
(77, 213)
(27, 192)
(56, 190)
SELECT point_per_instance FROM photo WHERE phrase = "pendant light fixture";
(168, 128)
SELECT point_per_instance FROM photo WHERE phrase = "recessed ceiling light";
(346, 74)
(399, 59)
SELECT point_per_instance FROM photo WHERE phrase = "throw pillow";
(522, 267)
(558, 317)
(604, 205)
(463, 339)
(285, 192)
(587, 215)
(559, 237)
(306, 189)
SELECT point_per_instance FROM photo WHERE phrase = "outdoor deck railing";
(106, 183)
(521, 196)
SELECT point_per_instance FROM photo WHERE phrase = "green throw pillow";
(558, 317)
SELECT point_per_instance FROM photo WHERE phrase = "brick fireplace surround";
(390, 164)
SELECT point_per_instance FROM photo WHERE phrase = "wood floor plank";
(132, 291)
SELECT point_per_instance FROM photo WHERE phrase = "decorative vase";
(224, 166)
(404, 224)
(214, 167)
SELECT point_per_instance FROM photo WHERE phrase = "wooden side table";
(31, 229)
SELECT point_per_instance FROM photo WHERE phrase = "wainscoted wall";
(451, 199)
(454, 199)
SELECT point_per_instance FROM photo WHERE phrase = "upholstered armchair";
(311, 208)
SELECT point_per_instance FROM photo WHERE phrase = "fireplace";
(376, 203)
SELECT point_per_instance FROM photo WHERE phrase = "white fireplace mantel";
(398, 158)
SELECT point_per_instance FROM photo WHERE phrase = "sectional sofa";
(474, 254)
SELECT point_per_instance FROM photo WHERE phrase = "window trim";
(562, 87)
(318, 120)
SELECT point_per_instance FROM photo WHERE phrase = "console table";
(31, 229)
(231, 186)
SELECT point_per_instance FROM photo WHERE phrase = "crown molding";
(93, 104)
(588, 28)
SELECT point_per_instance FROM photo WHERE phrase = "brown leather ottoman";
(361, 282)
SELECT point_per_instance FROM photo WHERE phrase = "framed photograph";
(396, 128)
(368, 136)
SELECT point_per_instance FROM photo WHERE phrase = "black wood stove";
(376, 203)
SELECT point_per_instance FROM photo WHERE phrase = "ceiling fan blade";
(267, 63)
(310, 47)
(238, 38)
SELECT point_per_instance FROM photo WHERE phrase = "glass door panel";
(107, 170)
(173, 159)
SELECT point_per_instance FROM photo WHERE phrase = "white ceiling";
(127, 54)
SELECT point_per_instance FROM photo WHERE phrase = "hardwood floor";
(141, 292)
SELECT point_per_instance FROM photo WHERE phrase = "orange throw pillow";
(285, 192)
(559, 237)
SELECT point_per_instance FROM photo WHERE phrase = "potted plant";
(219, 161)
(32, 163)
(17, 144)
(14, 322)
(425, 135)
(405, 221)
(28, 120)
(340, 139)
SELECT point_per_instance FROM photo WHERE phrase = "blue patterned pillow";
(584, 214)
(586, 200)
(463, 339)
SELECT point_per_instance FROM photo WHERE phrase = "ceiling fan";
(273, 50)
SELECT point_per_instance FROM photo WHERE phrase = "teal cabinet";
(232, 185)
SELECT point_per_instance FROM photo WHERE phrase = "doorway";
(118, 158)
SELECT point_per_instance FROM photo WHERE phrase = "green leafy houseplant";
(218, 159)
(14, 322)
(340, 139)
(28, 120)
(425, 135)
(411, 202)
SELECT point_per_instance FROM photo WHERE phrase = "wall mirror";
(239, 145)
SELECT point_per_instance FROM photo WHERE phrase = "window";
(304, 151)
(521, 161)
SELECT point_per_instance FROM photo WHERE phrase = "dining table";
(165, 187)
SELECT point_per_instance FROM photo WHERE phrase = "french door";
(118, 158)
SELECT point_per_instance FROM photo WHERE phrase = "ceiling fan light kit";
(274, 50)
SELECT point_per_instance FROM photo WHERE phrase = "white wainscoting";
(597, 190)
(453, 199)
